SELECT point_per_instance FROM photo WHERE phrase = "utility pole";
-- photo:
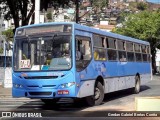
(37, 11)
(77, 10)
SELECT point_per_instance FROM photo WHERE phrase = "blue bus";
(68, 60)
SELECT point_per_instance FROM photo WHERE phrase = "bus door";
(83, 57)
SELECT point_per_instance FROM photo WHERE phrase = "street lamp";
(37, 11)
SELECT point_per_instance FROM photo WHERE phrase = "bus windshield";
(42, 53)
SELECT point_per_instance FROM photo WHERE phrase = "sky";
(154, 1)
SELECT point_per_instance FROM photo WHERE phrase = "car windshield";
(42, 53)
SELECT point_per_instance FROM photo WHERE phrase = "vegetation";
(23, 10)
(134, 6)
(142, 6)
(49, 16)
(9, 34)
(146, 26)
(66, 17)
(18, 10)
(1, 50)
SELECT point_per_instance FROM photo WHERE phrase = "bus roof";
(92, 30)
(109, 34)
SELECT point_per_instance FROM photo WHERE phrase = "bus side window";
(78, 50)
(112, 54)
(122, 56)
(96, 55)
(100, 54)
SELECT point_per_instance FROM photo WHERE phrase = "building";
(2, 25)
(158, 60)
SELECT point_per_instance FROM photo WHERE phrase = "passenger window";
(148, 57)
(148, 50)
(121, 45)
(144, 57)
(99, 54)
(130, 56)
(129, 46)
(99, 47)
(137, 48)
(112, 54)
(111, 43)
(138, 57)
(144, 49)
(99, 41)
(122, 56)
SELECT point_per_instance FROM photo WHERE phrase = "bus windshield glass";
(42, 53)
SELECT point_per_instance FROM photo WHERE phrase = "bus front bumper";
(44, 93)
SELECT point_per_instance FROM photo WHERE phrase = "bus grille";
(41, 77)
(40, 93)
(43, 86)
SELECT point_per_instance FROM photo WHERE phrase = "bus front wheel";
(137, 85)
(98, 96)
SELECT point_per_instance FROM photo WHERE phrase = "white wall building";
(158, 60)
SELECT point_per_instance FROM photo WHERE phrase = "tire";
(50, 101)
(98, 96)
(137, 85)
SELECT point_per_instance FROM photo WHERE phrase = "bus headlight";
(66, 85)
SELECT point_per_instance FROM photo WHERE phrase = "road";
(117, 101)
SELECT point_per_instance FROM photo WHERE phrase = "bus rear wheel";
(137, 85)
(98, 96)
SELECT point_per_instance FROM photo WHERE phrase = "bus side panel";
(123, 76)
(86, 88)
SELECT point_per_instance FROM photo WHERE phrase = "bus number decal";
(25, 64)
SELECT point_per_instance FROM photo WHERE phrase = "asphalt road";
(121, 101)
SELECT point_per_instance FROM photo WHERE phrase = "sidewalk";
(5, 91)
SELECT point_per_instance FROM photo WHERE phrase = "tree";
(18, 10)
(23, 10)
(49, 16)
(146, 26)
(142, 6)
(9, 34)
